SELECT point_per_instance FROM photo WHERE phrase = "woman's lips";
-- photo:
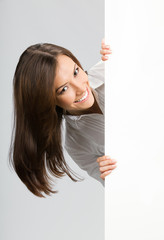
(85, 99)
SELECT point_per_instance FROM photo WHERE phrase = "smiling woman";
(74, 93)
(50, 86)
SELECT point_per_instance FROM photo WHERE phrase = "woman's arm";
(106, 164)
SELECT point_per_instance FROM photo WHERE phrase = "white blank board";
(134, 119)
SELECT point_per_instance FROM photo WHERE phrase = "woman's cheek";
(67, 100)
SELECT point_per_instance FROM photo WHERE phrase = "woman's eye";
(76, 71)
(64, 89)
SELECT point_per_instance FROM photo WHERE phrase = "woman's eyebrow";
(66, 82)
(74, 68)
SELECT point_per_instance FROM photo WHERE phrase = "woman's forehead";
(65, 68)
(65, 64)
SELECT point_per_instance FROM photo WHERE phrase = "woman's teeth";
(84, 97)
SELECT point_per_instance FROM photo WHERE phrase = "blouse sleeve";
(85, 156)
(96, 74)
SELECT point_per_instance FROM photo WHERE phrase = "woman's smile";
(84, 98)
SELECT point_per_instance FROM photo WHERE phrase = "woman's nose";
(79, 87)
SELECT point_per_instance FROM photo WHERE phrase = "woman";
(50, 85)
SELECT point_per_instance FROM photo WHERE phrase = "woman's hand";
(105, 49)
(106, 165)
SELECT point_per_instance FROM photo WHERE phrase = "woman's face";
(71, 85)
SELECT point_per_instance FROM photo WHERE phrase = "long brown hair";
(36, 144)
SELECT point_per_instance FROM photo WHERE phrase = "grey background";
(77, 211)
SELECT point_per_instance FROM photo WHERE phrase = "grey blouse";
(84, 135)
